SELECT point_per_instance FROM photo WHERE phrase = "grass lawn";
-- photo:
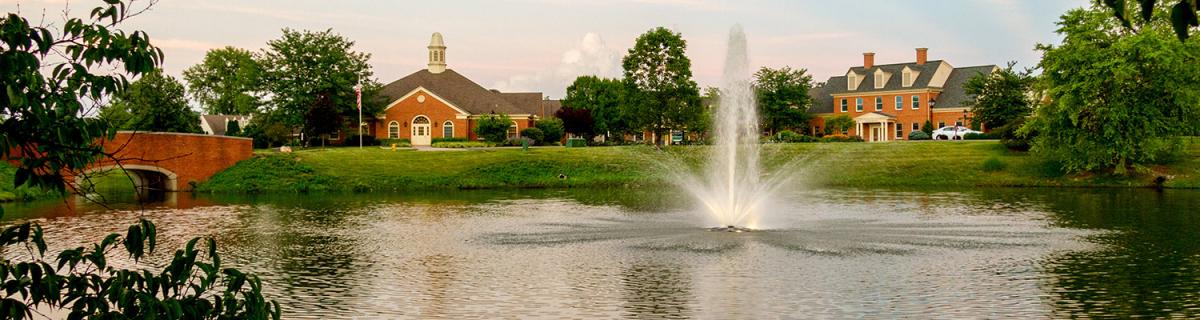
(915, 165)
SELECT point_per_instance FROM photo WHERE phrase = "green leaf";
(1147, 9)
(1182, 16)
(1118, 7)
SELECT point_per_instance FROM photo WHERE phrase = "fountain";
(732, 189)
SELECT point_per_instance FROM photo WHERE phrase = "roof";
(465, 94)
(550, 107)
(218, 122)
(952, 95)
(958, 78)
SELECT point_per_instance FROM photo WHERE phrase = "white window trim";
(858, 105)
(916, 126)
(396, 125)
(899, 131)
(879, 103)
(907, 78)
(448, 124)
(916, 102)
(879, 80)
(851, 79)
(899, 103)
(845, 105)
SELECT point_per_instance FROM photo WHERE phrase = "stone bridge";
(169, 161)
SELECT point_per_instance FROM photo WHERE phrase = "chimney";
(922, 56)
(868, 60)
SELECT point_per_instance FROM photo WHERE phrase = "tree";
(48, 76)
(577, 121)
(838, 124)
(658, 73)
(1182, 14)
(604, 98)
(156, 102)
(322, 118)
(552, 128)
(304, 65)
(1119, 99)
(927, 127)
(228, 81)
(535, 134)
(233, 128)
(493, 128)
(783, 98)
(998, 98)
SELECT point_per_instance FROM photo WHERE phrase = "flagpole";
(358, 99)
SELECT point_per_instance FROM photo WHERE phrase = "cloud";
(590, 56)
(184, 44)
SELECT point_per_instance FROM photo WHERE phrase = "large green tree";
(1182, 13)
(304, 65)
(662, 94)
(604, 98)
(999, 98)
(228, 81)
(783, 98)
(49, 74)
(156, 102)
(1120, 98)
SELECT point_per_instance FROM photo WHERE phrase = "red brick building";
(887, 102)
(440, 103)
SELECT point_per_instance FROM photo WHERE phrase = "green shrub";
(1014, 138)
(993, 164)
(519, 141)
(980, 136)
(841, 138)
(788, 136)
(463, 144)
(576, 142)
(927, 127)
(552, 128)
(534, 134)
(367, 140)
(403, 143)
(493, 128)
(436, 140)
(918, 135)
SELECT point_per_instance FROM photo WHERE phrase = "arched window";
(394, 130)
(512, 131)
(448, 129)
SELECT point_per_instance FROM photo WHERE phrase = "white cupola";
(437, 54)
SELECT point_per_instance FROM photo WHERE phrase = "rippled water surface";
(641, 254)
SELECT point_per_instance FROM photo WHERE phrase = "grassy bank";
(903, 164)
(8, 193)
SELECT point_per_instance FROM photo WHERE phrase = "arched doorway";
(421, 135)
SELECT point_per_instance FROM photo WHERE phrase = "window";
(878, 103)
(899, 103)
(941, 125)
(846, 131)
(899, 131)
(850, 80)
(448, 129)
(879, 80)
(858, 104)
(512, 131)
(958, 123)
(394, 130)
(844, 109)
(916, 126)
(916, 102)
(907, 78)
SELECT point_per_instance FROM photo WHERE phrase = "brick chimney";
(868, 60)
(922, 56)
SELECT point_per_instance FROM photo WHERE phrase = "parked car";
(952, 133)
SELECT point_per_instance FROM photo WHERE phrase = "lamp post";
(358, 101)
(964, 122)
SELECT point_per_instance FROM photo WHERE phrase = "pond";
(842, 253)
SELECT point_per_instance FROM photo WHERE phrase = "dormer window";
(879, 80)
(851, 81)
(907, 78)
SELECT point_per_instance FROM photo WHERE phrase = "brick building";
(889, 101)
(440, 103)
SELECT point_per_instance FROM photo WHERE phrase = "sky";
(543, 45)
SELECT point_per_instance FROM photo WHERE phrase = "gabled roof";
(464, 93)
(550, 107)
(952, 96)
(219, 122)
(959, 77)
(894, 82)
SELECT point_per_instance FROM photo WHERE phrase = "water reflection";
(605, 254)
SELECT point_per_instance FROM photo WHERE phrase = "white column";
(882, 128)
(858, 129)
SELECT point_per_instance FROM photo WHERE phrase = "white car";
(952, 133)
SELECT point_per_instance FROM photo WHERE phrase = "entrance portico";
(874, 126)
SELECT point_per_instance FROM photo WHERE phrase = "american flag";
(358, 96)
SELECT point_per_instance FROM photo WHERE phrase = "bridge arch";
(145, 177)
